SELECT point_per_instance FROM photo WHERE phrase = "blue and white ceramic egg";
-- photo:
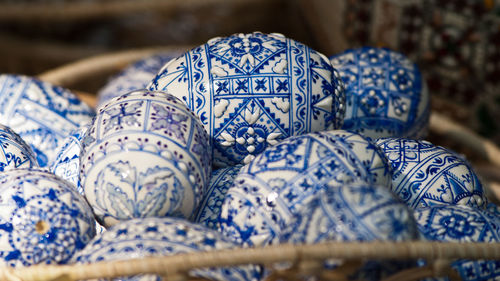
(134, 77)
(280, 181)
(146, 154)
(386, 95)
(355, 212)
(153, 237)
(14, 152)
(208, 211)
(425, 174)
(253, 90)
(43, 219)
(42, 114)
(67, 162)
(457, 223)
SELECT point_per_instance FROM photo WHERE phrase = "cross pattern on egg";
(252, 90)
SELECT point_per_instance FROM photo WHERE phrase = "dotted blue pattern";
(42, 114)
(208, 211)
(144, 155)
(279, 182)
(385, 93)
(253, 90)
(152, 237)
(43, 219)
(426, 175)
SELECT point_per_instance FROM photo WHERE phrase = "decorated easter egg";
(43, 219)
(14, 152)
(150, 237)
(458, 223)
(42, 114)
(386, 95)
(146, 154)
(253, 90)
(279, 182)
(425, 174)
(134, 77)
(355, 212)
(67, 162)
(208, 211)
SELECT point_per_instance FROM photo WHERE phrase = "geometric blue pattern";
(157, 237)
(426, 175)
(449, 223)
(252, 90)
(208, 211)
(42, 114)
(275, 186)
(386, 95)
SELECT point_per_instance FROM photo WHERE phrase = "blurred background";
(455, 42)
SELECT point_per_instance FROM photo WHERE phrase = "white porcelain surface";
(455, 223)
(386, 95)
(208, 211)
(43, 219)
(270, 190)
(14, 152)
(253, 90)
(145, 155)
(42, 114)
(425, 174)
(134, 77)
(151, 237)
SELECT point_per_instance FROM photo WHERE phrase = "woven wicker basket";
(305, 259)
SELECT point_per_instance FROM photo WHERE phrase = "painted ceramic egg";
(426, 175)
(253, 90)
(67, 162)
(134, 77)
(152, 237)
(208, 211)
(386, 95)
(355, 212)
(280, 181)
(43, 219)
(42, 114)
(144, 155)
(457, 223)
(14, 153)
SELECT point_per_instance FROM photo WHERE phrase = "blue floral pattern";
(144, 155)
(270, 190)
(426, 175)
(163, 237)
(43, 219)
(454, 223)
(386, 95)
(252, 90)
(42, 114)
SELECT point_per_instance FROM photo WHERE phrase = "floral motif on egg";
(14, 151)
(385, 93)
(253, 90)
